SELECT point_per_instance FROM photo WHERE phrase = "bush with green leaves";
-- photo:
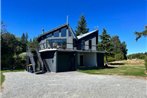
(119, 56)
(23, 55)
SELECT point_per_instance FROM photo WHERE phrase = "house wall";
(100, 59)
(69, 40)
(89, 59)
(69, 43)
(94, 40)
(49, 58)
(68, 61)
(87, 45)
(93, 43)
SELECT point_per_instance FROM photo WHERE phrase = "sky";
(118, 17)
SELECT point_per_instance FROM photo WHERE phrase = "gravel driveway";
(71, 85)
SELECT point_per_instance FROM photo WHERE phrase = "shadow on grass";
(94, 68)
(117, 63)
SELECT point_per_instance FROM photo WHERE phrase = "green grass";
(16, 70)
(131, 70)
(2, 78)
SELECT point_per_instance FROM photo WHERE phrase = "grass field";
(122, 70)
(125, 68)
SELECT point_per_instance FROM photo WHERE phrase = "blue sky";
(119, 17)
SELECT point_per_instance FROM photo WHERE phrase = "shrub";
(110, 59)
(119, 56)
(7, 61)
(23, 56)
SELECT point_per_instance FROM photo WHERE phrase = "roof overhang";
(86, 34)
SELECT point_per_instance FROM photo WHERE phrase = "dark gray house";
(61, 50)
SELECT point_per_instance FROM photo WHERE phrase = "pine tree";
(3, 28)
(140, 34)
(106, 43)
(23, 38)
(124, 49)
(82, 26)
(23, 42)
(26, 37)
(33, 44)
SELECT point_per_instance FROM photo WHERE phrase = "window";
(56, 34)
(49, 35)
(63, 32)
(57, 43)
(83, 45)
(90, 44)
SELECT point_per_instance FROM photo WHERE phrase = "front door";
(81, 60)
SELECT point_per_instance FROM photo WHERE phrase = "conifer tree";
(82, 26)
(23, 42)
(106, 43)
(140, 34)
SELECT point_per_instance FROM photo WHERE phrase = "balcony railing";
(67, 46)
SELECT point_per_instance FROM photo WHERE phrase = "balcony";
(66, 46)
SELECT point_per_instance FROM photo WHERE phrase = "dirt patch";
(135, 61)
(129, 62)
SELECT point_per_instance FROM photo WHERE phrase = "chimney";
(43, 31)
(67, 20)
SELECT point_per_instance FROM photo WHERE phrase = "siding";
(89, 59)
(50, 59)
(94, 43)
(100, 59)
(70, 43)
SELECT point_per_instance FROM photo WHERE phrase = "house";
(61, 50)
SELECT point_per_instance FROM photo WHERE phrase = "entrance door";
(81, 60)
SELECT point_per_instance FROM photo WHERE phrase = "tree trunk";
(106, 65)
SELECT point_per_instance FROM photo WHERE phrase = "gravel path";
(71, 85)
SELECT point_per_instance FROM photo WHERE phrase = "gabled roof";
(86, 34)
(57, 28)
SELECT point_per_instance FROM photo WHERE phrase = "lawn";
(131, 70)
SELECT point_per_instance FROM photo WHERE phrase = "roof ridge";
(56, 28)
(86, 34)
